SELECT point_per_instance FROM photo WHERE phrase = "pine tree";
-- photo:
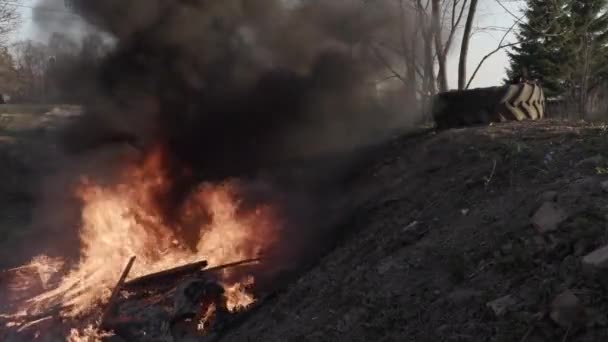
(541, 49)
(589, 37)
(563, 44)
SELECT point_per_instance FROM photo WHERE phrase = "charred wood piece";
(230, 265)
(111, 306)
(166, 275)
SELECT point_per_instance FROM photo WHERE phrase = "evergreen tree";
(541, 49)
(589, 36)
(563, 44)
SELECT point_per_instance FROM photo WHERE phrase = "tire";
(516, 102)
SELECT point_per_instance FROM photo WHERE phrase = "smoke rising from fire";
(233, 86)
(239, 89)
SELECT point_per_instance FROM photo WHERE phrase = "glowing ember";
(206, 317)
(123, 220)
(237, 295)
(89, 334)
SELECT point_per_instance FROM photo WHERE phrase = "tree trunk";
(436, 28)
(429, 62)
(409, 47)
(464, 48)
(583, 104)
(412, 82)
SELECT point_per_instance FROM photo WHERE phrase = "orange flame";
(122, 220)
(88, 334)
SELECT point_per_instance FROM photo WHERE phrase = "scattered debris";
(410, 226)
(194, 300)
(190, 293)
(501, 305)
(567, 310)
(488, 180)
(548, 217)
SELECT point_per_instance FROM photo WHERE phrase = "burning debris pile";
(208, 99)
(183, 302)
(121, 222)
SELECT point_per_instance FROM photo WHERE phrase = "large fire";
(123, 219)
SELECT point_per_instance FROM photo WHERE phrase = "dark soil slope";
(445, 229)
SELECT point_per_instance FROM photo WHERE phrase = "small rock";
(548, 217)
(410, 226)
(549, 196)
(464, 212)
(597, 259)
(567, 310)
(501, 305)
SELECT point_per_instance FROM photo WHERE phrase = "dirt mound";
(444, 249)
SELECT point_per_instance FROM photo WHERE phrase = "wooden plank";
(231, 265)
(166, 275)
(110, 307)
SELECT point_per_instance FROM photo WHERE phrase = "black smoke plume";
(241, 89)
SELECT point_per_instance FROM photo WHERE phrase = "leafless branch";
(387, 65)
(455, 23)
(498, 48)
(518, 20)
(10, 19)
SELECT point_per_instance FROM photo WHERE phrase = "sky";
(491, 22)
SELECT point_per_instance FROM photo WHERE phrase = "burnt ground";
(442, 227)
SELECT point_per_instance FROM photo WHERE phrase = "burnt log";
(159, 278)
(110, 307)
(230, 265)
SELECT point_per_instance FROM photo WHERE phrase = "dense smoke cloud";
(242, 83)
(235, 88)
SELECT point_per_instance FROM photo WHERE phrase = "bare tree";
(31, 61)
(9, 78)
(10, 19)
(464, 48)
(443, 74)
(417, 56)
